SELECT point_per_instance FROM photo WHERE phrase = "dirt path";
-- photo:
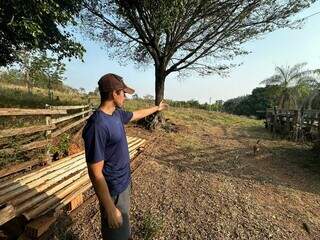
(218, 189)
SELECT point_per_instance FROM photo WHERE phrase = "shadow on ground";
(294, 167)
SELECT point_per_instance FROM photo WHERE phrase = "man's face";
(119, 98)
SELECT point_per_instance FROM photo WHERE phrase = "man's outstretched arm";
(147, 111)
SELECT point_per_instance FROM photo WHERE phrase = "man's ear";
(114, 94)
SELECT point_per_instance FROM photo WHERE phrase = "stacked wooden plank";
(52, 187)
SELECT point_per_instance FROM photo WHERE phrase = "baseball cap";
(112, 82)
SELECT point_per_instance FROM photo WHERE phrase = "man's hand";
(163, 106)
(114, 218)
(101, 188)
(146, 112)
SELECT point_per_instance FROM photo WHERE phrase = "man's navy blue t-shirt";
(105, 140)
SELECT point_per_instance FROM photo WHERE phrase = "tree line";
(293, 88)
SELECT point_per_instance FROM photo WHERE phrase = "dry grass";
(18, 96)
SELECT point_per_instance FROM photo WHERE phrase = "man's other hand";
(114, 218)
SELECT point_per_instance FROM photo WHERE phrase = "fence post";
(48, 136)
(318, 117)
(82, 109)
(274, 124)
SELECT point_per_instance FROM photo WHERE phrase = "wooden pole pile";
(296, 124)
(52, 187)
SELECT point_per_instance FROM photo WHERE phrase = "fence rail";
(25, 130)
(67, 107)
(52, 128)
(65, 118)
(25, 112)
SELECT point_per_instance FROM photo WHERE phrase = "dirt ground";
(215, 189)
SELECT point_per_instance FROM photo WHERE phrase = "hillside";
(17, 96)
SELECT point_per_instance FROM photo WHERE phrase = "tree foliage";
(289, 88)
(32, 24)
(178, 35)
(254, 104)
(296, 84)
(36, 69)
(195, 104)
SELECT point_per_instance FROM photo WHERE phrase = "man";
(107, 155)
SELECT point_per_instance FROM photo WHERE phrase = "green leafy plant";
(151, 225)
(61, 149)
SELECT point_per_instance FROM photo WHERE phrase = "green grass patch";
(196, 116)
(151, 225)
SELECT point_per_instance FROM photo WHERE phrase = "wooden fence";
(58, 120)
(295, 124)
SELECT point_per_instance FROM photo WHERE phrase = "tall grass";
(18, 96)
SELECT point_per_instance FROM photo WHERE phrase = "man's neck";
(108, 107)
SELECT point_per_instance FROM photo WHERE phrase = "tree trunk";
(156, 119)
(160, 76)
(159, 90)
(29, 85)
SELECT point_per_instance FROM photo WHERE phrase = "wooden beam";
(66, 128)
(34, 204)
(133, 154)
(3, 236)
(19, 167)
(21, 186)
(65, 118)
(7, 213)
(24, 178)
(67, 107)
(25, 191)
(39, 226)
(26, 147)
(25, 130)
(55, 198)
(133, 142)
(137, 145)
(72, 195)
(75, 202)
(51, 193)
(25, 111)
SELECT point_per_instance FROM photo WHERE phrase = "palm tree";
(313, 101)
(295, 82)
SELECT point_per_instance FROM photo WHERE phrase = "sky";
(280, 48)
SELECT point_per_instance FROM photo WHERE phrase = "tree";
(50, 70)
(82, 90)
(178, 35)
(25, 66)
(256, 103)
(234, 105)
(295, 83)
(148, 97)
(32, 24)
(313, 100)
(135, 96)
(12, 76)
(40, 70)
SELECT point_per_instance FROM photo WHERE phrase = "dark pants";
(122, 202)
